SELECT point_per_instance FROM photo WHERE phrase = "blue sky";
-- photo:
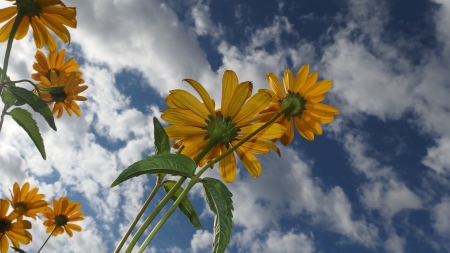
(377, 180)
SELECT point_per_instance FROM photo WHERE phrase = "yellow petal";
(227, 167)
(183, 117)
(7, 13)
(303, 130)
(318, 89)
(317, 117)
(300, 78)
(272, 94)
(312, 124)
(273, 131)
(288, 80)
(203, 94)
(312, 78)
(316, 99)
(254, 105)
(188, 100)
(288, 136)
(176, 132)
(275, 85)
(250, 162)
(22, 30)
(6, 30)
(229, 84)
(322, 108)
(239, 97)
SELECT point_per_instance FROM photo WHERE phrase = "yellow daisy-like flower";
(195, 123)
(55, 62)
(15, 231)
(26, 202)
(64, 99)
(59, 217)
(303, 94)
(40, 14)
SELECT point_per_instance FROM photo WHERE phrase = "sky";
(377, 180)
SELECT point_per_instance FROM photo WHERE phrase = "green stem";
(16, 24)
(153, 214)
(47, 239)
(138, 216)
(168, 196)
(2, 117)
(195, 179)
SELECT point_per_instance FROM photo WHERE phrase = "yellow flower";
(40, 14)
(303, 95)
(15, 231)
(26, 202)
(62, 213)
(66, 98)
(195, 123)
(55, 62)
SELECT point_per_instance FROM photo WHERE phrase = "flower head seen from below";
(303, 96)
(27, 202)
(56, 62)
(15, 231)
(65, 97)
(60, 217)
(40, 14)
(194, 124)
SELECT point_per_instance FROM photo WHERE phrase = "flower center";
(294, 104)
(58, 96)
(29, 8)
(4, 225)
(221, 130)
(21, 208)
(61, 220)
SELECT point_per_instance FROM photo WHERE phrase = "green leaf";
(26, 121)
(162, 145)
(185, 205)
(36, 103)
(173, 164)
(7, 97)
(52, 89)
(221, 204)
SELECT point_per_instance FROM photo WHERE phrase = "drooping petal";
(250, 162)
(303, 130)
(227, 167)
(288, 136)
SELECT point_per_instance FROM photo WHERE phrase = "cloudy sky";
(378, 179)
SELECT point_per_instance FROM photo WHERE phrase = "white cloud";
(441, 217)
(201, 241)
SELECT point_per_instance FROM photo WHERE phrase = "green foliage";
(7, 97)
(173, 164)
(35, 102)
(26, 121)
(221, 204)
(162, 145)
(185, 205)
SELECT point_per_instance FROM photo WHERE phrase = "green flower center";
(58, 96)
(29, 8)
(294, 104)
(221, 130)
(21, 208)
(4, 225)
(61, 220)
